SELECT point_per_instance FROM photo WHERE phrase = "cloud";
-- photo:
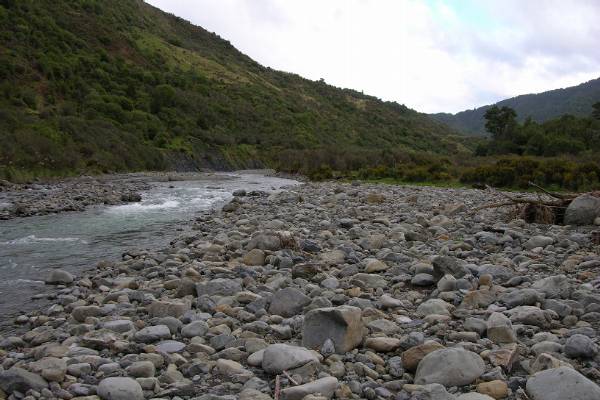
(431, 55)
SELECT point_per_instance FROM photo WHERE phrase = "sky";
(431, 55)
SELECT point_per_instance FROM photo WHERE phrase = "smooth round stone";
(423, 280)
(170, 346)
(120, 389)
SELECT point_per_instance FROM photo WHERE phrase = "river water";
(30, 247)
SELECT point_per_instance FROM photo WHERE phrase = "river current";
(30, 247)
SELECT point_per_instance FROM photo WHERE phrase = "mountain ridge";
(112, 85)
(574, 100)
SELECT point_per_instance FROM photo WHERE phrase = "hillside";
(116, 85)
(541, 107)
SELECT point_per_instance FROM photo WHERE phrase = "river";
(30, 247)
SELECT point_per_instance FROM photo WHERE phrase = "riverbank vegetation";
(561, 154)
(91, 86)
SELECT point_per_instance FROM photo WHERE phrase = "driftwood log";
(547, 208)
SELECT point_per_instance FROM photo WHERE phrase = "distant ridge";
(574, 100)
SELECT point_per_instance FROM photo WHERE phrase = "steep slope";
(575, 100)
(111, 85)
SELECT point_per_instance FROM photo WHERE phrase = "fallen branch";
(551, 194)
(277, 387)
(290, 378)
(534, 210)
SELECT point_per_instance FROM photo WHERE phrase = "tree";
(501, 122)
(596, 112)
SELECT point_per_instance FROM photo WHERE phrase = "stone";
(325, 387)
(435, 306)
(343, 325)
(168, 308)
(499, 329)
(422, 280)
(120, 389)
(583, 210)
(373, 265)
(474, 396)
(475, 299)
(219, 287)
(152, 334)
(382, 344)
(538, 241)
(496, 389)
(498, 272)
(504, 357)
(447, 283)
(50, 368)
(475, 325)
(446, 265)
(20, 380)
(141, 369)
(254, 257)
(170, 346)
(561, 384)
(306, 271)
(195, 328)
(59, 277)
(530, 315)
(333, 257)
(280, 357)
(119, 326)
(553, 286)
(80, 313)
(413, 356)
(264, 241)
(546, 361)
(253, 394)
(449, 367)
(580, 346)
(520, 297)
(230, 367)
(433, 391)
(288, 302)
(369, 281)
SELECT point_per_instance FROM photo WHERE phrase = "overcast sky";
(431, 55)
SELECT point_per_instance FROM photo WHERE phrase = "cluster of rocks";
(74, 194)
(327, 291)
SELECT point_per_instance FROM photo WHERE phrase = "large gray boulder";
(450, 367)
(583, 210)
(561, 383)
(343, 325)
(20, 380)
(288, 302)
(120, 389)
(281, 357)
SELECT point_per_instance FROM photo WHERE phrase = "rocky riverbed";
(327, 290)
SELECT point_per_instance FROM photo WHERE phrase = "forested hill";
(541, 107)
(114, 85)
